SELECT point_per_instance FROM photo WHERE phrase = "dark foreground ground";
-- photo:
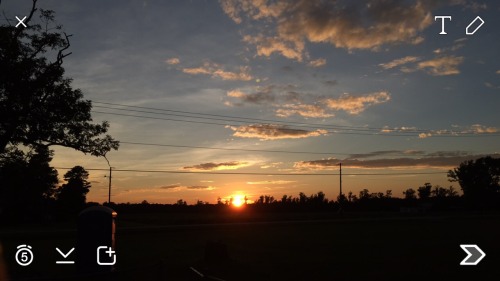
(316, 247)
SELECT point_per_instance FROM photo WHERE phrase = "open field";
(397, 248)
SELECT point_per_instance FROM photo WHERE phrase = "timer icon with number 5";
(24, 255)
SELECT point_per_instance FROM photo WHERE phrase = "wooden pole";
(109, 191)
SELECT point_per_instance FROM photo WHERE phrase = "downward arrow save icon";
(474, 254)
(65, 256)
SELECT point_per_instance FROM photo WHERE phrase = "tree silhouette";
(424, 192)
(410, 194)
(364, 194)
(28, 183)
(38, 106)
(72, 195)
(479, 179)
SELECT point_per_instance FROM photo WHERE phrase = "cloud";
(498, 71)
(179, 186)
(266, 46)
(387, 129)
(197, 70)
(317, 63)
(254, 9)
(233, 165)
(356, 104)
(331, 82)
(481, 129)
(439, 162)
(304, 110)
(398, 62)
(491, 86)
(476, 7)
(263, 96)
(457, 44)
(171, 186)
(231, 9)
(173, 61)
(217, 72)
(287, 102)
(455, 131)
(385, 152)
(200, 187)
(273, 132)
(441, 66)
(269, 182)
(350, 25)
(271, 165)
(424, 135)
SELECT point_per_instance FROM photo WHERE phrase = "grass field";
(341, 248)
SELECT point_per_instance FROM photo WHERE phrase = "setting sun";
(238, 200)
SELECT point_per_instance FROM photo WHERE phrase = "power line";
(252, 120)
(302, 130)
(256, 174)
(265, 150)
(232, 149)
(247, 120)
(226, 124)
(235, 118)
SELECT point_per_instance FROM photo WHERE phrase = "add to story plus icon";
(469, 30)
(106, 253)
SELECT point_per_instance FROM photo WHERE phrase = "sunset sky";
(371, 84)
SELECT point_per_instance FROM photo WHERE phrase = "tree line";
(40, 109)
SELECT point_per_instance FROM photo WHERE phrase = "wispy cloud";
(457, 44)
(475, 129)
(266, 46)
(271, 165)
(273, 182)
(232, 165)
(399, 62)
(288, 102)
(456, 130)
(356, 104)
(491, 86)
(273, 132)
(173, 61)
(262, 96)
(441, 66)
(216, 71)
(443, 161)
(317, 62)
(304, 110)
(331, 82)
(171, 186)
(386, 153)
(200, 187)
(179, 186)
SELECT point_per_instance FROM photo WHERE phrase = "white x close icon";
(20, 21)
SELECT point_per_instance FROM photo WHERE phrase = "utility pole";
(109, 191)
(340, 195)
(340, 164)
(109, 187)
